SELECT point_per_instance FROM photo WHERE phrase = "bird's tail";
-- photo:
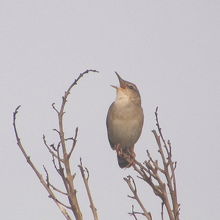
(122, 162)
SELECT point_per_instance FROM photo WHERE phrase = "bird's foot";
(118, 149)
(132, 156)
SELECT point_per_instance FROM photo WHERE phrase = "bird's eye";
(131, 87)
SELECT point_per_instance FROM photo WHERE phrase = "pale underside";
(124, 123)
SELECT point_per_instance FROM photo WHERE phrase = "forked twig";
(132, 185)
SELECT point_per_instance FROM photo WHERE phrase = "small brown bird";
(125, 121)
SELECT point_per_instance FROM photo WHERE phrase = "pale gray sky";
(169, 49)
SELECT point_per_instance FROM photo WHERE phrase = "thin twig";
(162, 205)
(74, 142)
(51, 185)
(171, 180)
(85, 175)
(133, 213)
(45, 143)
(61, 203)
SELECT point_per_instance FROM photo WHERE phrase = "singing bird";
(125, 121)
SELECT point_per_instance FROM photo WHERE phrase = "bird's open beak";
(121, 81)
(114, 86)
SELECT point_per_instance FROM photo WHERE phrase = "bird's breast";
(125, 122)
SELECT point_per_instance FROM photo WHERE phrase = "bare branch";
(85, 175)
(68, 177)
(60, 159)
(161, 178)
(40, 177)
(171, 180)
(132, 185)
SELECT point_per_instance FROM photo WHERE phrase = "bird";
(124, 122)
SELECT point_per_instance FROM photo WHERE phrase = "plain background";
(169, 49)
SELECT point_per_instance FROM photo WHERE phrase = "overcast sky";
(170, 49)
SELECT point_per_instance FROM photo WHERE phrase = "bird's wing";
(109, 126)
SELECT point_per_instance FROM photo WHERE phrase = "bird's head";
(127, 91)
